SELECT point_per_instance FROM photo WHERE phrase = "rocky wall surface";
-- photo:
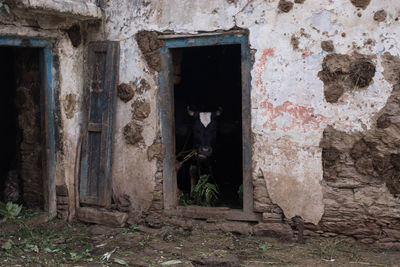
(319, 67)
(69, 38)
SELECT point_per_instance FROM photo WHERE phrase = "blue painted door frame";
(166, 104)
(47, 112)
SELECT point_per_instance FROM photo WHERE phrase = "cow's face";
(204, 132)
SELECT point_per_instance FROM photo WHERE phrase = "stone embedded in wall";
(272, 217)
(125, 92)
(327, 46)
(360, 3)
(143, 86)
(383, 121)
(62, 201)
(285, 6)
(148, 43)
(380, 15)
(261, 199)
(391, 65)
(359, 149)
(156, 150)
(123, 203)
(330, 156)
(299, 1)
(342, 73)
(132, 133)
(74, 34)
(361, 195)
(69, 104)
(140, 110)
(352, 188)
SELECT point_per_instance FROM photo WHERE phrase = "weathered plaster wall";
(68, 73)
(289, 109)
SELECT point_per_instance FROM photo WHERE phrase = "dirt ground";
(28, 242)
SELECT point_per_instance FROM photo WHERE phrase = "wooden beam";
(109, 218)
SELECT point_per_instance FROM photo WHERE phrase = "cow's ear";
(190, 112)
(218, 112)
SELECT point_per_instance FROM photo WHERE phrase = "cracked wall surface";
(289, 108)
(307, 95)
(68, 82)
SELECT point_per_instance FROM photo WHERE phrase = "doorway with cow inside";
(208, 124)
(21, 169)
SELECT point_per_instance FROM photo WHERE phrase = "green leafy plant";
(7, 245)
(9, 211)
(185, 200)
(205, 193)
(4, 7)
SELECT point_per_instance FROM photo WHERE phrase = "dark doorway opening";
(21, 172)
(206, 78)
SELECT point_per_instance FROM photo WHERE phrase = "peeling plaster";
(289, 111)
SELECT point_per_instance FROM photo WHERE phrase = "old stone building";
(96, 95)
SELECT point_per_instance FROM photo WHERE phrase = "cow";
(204, 133)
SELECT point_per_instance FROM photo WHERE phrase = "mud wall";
(68, 46)
(317, 66)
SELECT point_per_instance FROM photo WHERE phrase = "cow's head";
(204, 131)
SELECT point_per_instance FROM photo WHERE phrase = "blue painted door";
(97, 143)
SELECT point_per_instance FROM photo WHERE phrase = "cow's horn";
(219, 111)
(190, 112)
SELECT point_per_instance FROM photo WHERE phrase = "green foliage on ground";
(205, 193)
(9, 211)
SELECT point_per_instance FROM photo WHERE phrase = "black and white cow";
(204, 131)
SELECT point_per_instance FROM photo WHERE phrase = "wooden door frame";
(46, 110)
(166, 111)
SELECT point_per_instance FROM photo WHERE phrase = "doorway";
(21, 160)
(206, 72)
(206, 79)
(27, 116)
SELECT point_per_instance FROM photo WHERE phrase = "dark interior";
(206, 78)
(8, 118)
(20, 120)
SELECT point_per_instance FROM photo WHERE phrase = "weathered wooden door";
(96, 147)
